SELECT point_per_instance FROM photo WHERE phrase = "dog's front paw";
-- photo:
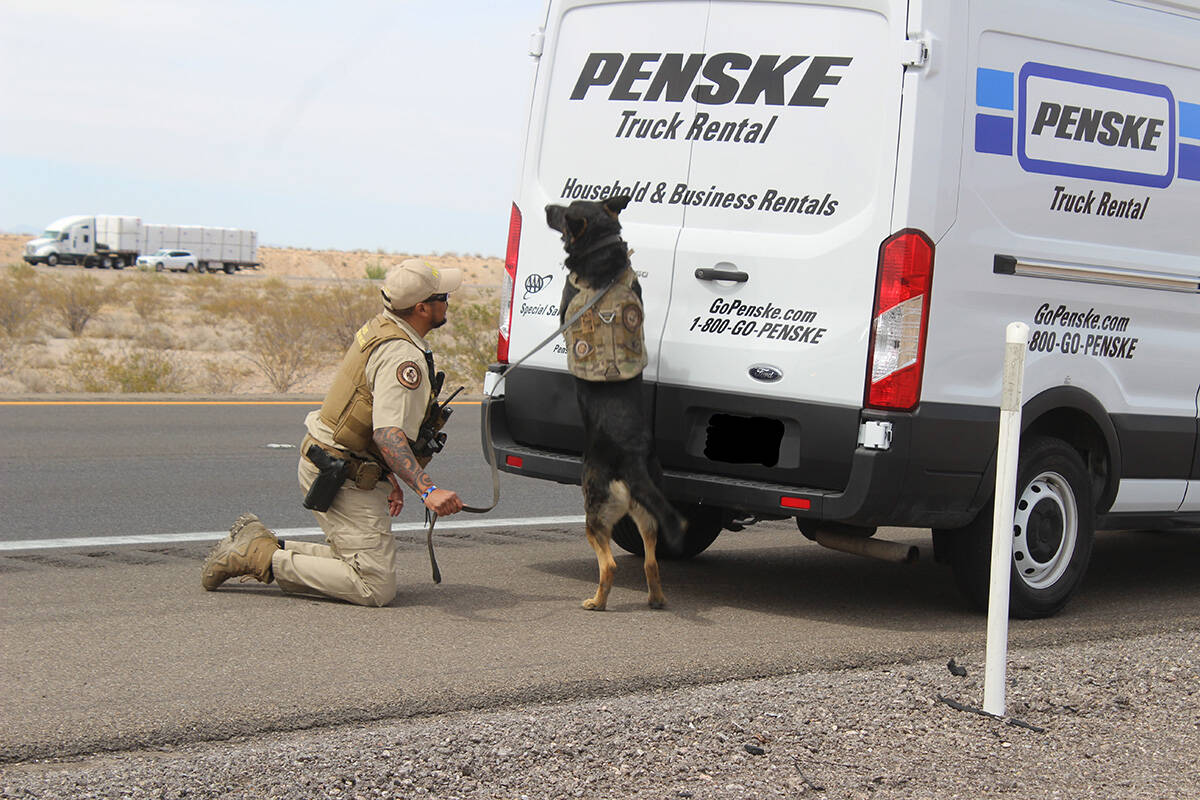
(658, 602)
(592, 604)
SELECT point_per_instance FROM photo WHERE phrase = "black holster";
(333, 473)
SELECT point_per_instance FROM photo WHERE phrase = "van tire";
(1053, 531)
(704, 525)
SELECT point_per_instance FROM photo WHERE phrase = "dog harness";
(606, 343)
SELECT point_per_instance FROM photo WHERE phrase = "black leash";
(431, 516)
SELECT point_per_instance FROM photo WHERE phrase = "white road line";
(285, 533)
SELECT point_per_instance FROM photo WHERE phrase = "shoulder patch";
(409, 375)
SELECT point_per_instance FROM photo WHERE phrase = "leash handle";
(437, 573)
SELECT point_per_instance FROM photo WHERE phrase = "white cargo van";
(837, 209)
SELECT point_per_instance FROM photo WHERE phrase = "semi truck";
(113, 241)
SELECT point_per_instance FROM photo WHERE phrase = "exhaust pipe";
(868, 546)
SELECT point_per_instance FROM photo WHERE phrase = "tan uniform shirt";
(399, 379)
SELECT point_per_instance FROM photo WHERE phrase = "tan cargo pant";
(358, 561)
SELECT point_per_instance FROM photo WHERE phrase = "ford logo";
(765, 373)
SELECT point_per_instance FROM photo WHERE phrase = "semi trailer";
(113, 241)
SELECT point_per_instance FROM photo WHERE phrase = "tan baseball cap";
(414, 279)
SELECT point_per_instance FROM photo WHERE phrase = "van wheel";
(189, 268)
(158, 267)
(704, 524)
(1053, 531)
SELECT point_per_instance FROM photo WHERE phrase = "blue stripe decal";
(1189, 162)
(993, 134)
(1189, 120)
(994, 89)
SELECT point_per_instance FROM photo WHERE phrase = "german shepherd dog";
(621, 474)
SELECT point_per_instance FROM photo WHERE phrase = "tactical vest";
(606, 343)
(348, 403)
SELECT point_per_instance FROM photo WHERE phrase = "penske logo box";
(1085, 125)
(1089, 125)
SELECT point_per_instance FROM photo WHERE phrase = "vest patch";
(409, 375)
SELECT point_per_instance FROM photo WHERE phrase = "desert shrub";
(222, 299)
(220, 376)
(131, 370)
(159, 336)
(150, 296)
(147, 371)
(466, 345)
(339, 311)
(75, 300)
(282, 341)
(37, 381)
(376, 270)
(203, 289)
(10, 355)
(20, 299)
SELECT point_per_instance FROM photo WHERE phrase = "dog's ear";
(575, 225)
(615, 205)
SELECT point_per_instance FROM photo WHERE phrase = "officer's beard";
(438, 324)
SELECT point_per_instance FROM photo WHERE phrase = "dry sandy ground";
(41, 365)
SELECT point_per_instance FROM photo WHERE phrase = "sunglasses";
(437, 298)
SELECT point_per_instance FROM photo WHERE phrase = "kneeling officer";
(378, 422)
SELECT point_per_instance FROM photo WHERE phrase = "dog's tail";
(671, 524)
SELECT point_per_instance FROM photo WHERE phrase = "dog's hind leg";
(605, 502)
(598, 537)
(648, 528)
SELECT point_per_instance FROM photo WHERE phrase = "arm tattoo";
(393, 444)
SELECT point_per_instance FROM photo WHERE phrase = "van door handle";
(710, 274)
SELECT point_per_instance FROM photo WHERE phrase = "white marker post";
(1016, 335)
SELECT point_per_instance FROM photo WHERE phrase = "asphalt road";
(106, 648)
(104, 470)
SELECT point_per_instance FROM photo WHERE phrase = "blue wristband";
(425, 494)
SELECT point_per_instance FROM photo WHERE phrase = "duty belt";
(364, 472)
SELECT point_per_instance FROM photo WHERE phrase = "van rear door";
(787, 199)
(594, 133)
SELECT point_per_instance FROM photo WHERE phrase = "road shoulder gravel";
(1103, 719)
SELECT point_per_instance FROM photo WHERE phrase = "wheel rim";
(1045, 529)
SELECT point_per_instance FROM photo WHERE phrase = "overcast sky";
(349, 124)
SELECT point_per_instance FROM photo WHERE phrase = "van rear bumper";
(932, 476)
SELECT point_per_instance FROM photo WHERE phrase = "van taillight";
(509, 284)
(900, 320)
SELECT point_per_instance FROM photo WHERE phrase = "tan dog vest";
(348, 405)
(607, 342)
